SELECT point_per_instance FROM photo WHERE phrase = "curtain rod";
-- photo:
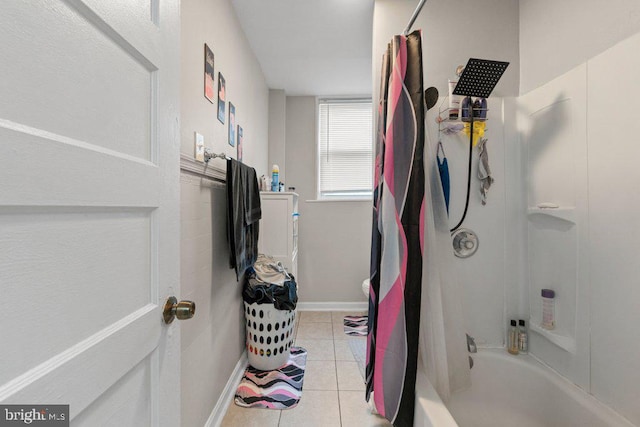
(414, 16)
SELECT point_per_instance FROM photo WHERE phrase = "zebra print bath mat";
(277, 389)
(355, 326)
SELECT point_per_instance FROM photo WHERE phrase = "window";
(345, 149)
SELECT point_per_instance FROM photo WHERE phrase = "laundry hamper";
(269, 335)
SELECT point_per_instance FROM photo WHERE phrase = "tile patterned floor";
(333, 389)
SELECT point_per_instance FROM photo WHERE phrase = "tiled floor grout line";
(335, 364)
(295, 339)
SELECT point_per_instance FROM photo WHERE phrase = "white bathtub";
(513, 391)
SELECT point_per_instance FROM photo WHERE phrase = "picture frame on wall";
(222, 93)
(240, 143)
(209, 74)
(232, 124)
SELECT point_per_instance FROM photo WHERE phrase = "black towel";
(252, 208)
(243, 215)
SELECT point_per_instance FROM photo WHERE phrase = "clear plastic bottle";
(513, 338)
(523, 337)
(548, 309)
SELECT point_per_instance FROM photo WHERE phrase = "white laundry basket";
(269, 335)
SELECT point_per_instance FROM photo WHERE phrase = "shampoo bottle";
(513, 338)
(523, 337)
(548, 309)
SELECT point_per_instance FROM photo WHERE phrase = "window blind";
(345, 147)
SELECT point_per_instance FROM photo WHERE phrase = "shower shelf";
(562, 341)
(444, 116)
(565, 214)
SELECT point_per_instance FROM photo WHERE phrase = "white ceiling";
(311, 47)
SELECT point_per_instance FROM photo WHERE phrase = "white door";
(89, 208)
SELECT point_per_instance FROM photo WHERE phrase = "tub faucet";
(471, 344)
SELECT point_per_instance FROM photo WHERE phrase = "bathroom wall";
(556, 36)
(214, 22)
(552, 121)
(212, 341)
(334, 237)
(277, 131)
(610, 58)
(608, 291)
(447, 44)
(613, 227)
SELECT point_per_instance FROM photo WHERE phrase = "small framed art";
(208, 74)
(240, 143)
(232, 124)
(221, 97)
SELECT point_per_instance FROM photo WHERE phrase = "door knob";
(182, 310)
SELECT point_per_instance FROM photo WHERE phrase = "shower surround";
(585, 163)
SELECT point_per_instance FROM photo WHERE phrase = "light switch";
(199, 147)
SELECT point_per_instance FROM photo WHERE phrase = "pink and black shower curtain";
(397, 233)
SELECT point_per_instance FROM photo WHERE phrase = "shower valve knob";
(465, 243)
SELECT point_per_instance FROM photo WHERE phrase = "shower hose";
(466, 205)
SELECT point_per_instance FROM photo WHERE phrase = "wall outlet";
(199, 147)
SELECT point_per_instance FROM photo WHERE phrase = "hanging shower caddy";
(477, 80)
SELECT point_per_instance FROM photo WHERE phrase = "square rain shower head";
(479, 77)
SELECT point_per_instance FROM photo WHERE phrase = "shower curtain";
(415, 313)
(396, 249)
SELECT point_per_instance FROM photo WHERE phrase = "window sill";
(369, 200)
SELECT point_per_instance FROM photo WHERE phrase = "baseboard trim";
(333, 306)
(226, 398)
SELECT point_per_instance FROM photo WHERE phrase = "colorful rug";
(277, 389)
(355, 326)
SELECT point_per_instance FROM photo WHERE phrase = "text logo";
(34, 415)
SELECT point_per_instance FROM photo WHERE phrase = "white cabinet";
(279, 228)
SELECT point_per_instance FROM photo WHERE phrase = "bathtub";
(512, 391)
